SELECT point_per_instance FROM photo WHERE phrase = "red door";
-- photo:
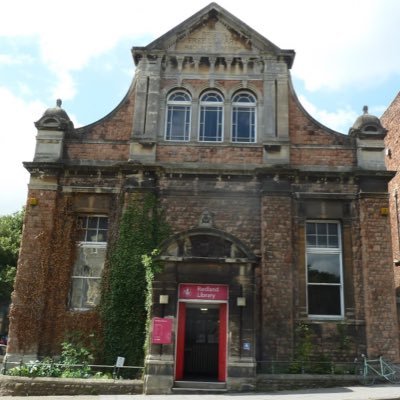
(191, 343)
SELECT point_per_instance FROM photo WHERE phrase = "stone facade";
(248, 212)
(390, 120)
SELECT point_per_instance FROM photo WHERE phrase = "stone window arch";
(205, 244)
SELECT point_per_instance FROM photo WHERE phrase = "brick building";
(390, 120)
(277, 220)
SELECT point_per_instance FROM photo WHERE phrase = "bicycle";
(373, 369)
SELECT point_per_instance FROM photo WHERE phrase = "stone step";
(199, 387)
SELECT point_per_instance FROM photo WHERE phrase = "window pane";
(333, 241)
(324, 300)
(213, 97)
(321, 229)
(82, 222)
(311, 241)
(178, 123)
(92, 229)
(102, 235)
(311, 229)
(321, 234)
(243, 125)
(90, 261)
(323, 268)
(93, 222)
(244, 98)
(103, 223)
(211, 124)
(91, 235)
(332, 229)
(179, 96)
(78, 288)
(322, 241)
(85, 293)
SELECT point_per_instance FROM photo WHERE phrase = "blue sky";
(347, 55)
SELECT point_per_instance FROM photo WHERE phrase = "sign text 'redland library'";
(192, 291)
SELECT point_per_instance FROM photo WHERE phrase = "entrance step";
(199, 387)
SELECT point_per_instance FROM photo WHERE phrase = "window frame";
(220, 106)
(237, 107)
(326, 251)
(187, 105)
(95, 245)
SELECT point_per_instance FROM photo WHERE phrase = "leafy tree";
(10, 239)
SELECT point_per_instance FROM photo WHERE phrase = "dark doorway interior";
(201, 342)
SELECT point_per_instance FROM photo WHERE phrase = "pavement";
(376, 392)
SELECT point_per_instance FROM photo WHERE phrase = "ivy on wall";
(126, 283)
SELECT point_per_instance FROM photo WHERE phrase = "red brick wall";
(235, 209)
(276, 278)
(391, 121)
(91, 141)
(378, 279)
(314, 145)
(115, 126)
(97, 151)
(30, 284)
(209, 154)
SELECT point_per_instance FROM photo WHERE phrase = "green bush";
(37, 368)
(74, 363)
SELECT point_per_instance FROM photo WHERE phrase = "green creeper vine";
(126, 286)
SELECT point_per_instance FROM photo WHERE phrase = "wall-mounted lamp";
(164, 298)
(33, 201)
(384, 211)
(241, 301)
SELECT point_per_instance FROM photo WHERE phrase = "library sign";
(210, 292)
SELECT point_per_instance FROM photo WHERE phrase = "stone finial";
(365, 109)
(55, 118)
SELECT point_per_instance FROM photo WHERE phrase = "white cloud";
(339, 120)
(17, 143)
(338, 43)
(64, 87)
(350, 43)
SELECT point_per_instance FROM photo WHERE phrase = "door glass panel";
(201, 343)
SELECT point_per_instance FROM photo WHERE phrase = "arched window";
(211, 117)
(244, 118)
(178, 116)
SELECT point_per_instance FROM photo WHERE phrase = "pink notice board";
(162, 331)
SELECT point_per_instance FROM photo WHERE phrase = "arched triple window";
(211, 117)
(244, 118)
(179, 106)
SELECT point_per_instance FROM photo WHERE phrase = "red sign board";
(162, 331)
(193, 291)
